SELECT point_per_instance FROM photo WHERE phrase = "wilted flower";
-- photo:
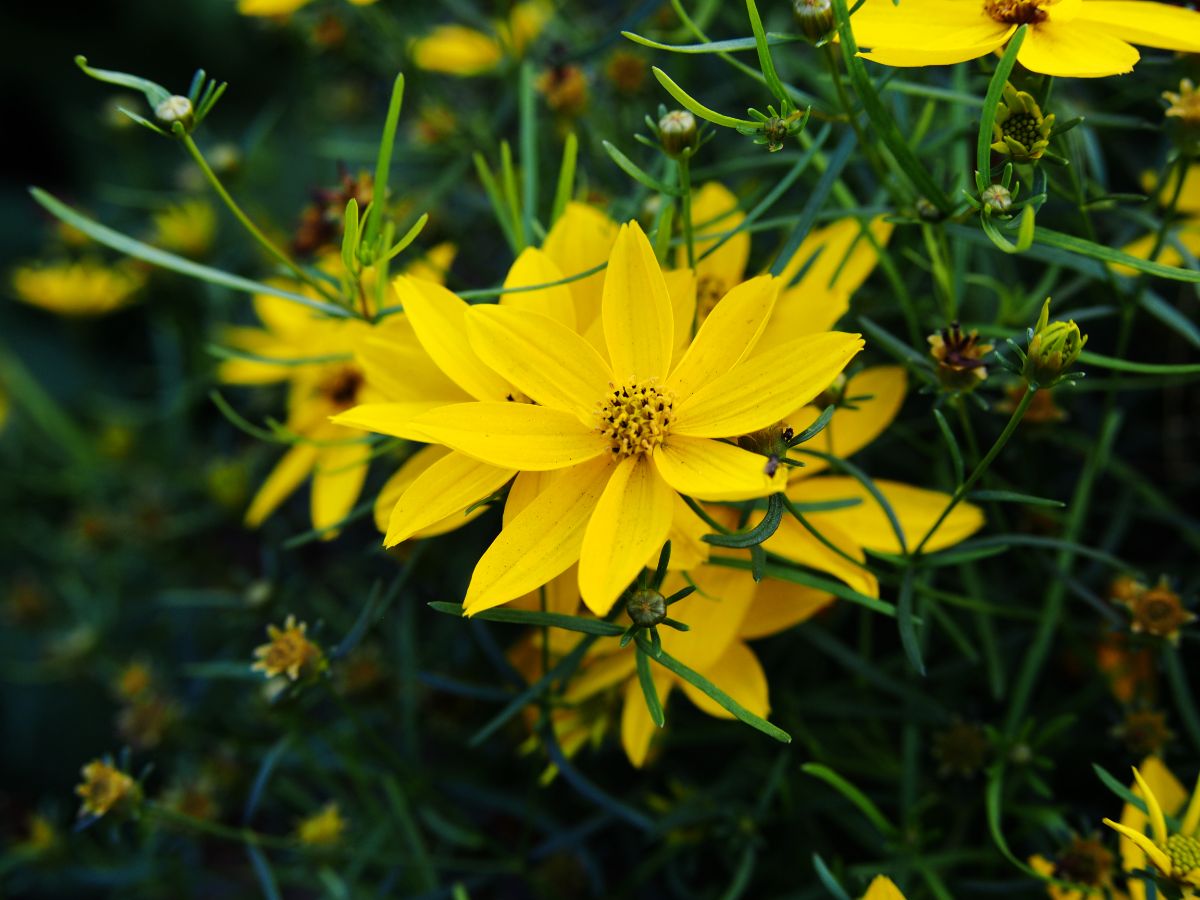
(289, 651)
(1020, 130)
(962, 749)
(565, 88)
(959, 358)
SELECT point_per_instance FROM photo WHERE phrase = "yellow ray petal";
(440, 319)
(542, 357)
(513, 435)
(714, 613)
(579, 241)
(1077, 50)
(457, 50)
(839, 255)
(794, 542)
(599, 674)
(394, 419)
(533, 267)
(1158, 822)
(882, 888)
(337, 480)
(542, 541)
(726, 337)
(525, 487)
(715, 211)
(292, 469)
(739, 674)
(270, 7)
(1141, 842)
(396, 365)
(446, 488)
(1151, 24)
(688, 550)
(629, 525)
(852, 429)
(285, 318)
(252, 371)
(1191, 818)
(681, 286)
(711, 470)
(779, 605)
(637, 728)
(399, 481)
(762, 390)
(921, 24)
(916, 508)
(1170, 794)
(638, 327)
(904, 57)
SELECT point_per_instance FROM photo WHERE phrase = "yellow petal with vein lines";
(534, 267)
(779, 605)
(542, 541)
(740, 675)
(525, 487)
(337, 481)
(628, 526)
(513, 435)
(398, 367)
(794, 542)
(638, 326)
(292, 469)
(444, 489)
(726, 337)
(439, 319)
(1150, 24)
(579, 241)
(637, 728)
(399, 481)
(681, 286)
(762, 390)
(1077, 50)
(393, 419)
(714, 211)
(714, 613)
(542, 357)
(712, 470)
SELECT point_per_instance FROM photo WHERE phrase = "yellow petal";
(711, 470)
(1171, 795)
(727, 336)
(399, 481)
(396, 365)
(525, 487)
(1151, 24)
(794, 542)
(688, 550)
(918, 24)
(715, 211)
(762, 390)
(904, 57)
(337, 480)
(286, 318)
(740, 675)
(885, 388)
(446, 488)
(681, 286)
(1139, 842)
(542, 541)
(513, 435)
(1191, 818)
(638, 327)
(270, 7)
(916, 508)
(714, 613)
(637, 728)
(839, 255)
(434, 265)
(534, 267)
(629, 525)
(440, 319)
(882, 888)
(393, 419)
(1075, 50)
(1158, 822)
(295, 466)
(579, 241)
(252, 371)
(599, 674)
(542, 357)
(779, 605)
(457, 50)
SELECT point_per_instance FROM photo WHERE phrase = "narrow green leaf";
(733, 45)
(527, 109)
(1014, 497)
(798, 576)
(1059, 241)
(499, 208)
(630, 168)
(649, 691)
(383, 162)
(511, 194)
(409, 236)
(350, 235)
(754, 536)
(983, 148)
(860, 800)
(952, 445)
(566, 176)
(909, 638)
(531, 617)
(155, 93)
(690, 103)
(1171, 317)
(1124, 365)
(826, 877)
(815, 202)
(894, 346)
(764, 53)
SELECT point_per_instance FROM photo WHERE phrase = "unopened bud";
(814, 18)
(1052, 350)
(647, 608)
(175, 109)
(677, 132)
(997, 198)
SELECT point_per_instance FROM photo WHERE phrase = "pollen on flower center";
(636, 417)
(1015, 12)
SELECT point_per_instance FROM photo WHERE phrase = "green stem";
(966, 486)
(685, 186)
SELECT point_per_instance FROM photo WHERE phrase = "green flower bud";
(997, 198)
(677, 132)
(814, 18)
(647, 608)
(175, 109)
(1052, 350)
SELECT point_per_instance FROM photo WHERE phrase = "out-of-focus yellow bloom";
(84, 288)
(1184, 105)
(882, 888)
(1157, 610)
(627, 71)
(565, 89)
(1084, 861)
(186, 228)
(1173, 853)
(459, 50)
(1186, 232)
(280, 7)
(959, 358)
(134, 681)
(322, 829)
(289, 652)
(104, 788)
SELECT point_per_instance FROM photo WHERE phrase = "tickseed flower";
(959, 358)
(1069, 38)
(289, 652)
(882, 888)
(1144, 731)
(1020, 130)
(280, 7)
(624, 434)
(134, 681)
(1158, 611)
(187, 228)
(462, 51)
(1184, 105)
(1083, 861)
(322, 829)
(1130, 672)
(105, 788)
(84, 288)
(320, 228)
(41, 837)
(565, 88)
(1053, 348)
(1174, 853)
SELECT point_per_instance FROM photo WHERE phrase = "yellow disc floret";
(636, 417)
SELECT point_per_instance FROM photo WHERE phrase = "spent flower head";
(959, 357)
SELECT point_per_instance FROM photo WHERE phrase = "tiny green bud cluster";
(1053, 349)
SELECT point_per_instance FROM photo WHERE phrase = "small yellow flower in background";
(1157, 611)
(462, 51)
(84, 288)
(1173, 854)
(289, 651)
(1184, 105)
(565, 89)
(1083, 861)
(41, 836)
(627, 71)
(281, 7)
(1186, 232)
(105, 788)
(1069, 38)
(1020, 130)
(882, 888)
(322, 829)
(186, 228)
(134, 681)
(1144, 731)
(959, 358)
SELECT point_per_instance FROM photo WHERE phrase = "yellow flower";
(187, 228)
(459, 50)
(289, 651)
(104, 788)
(882, 888)
(1084, 861)
(1070, 38)
(1184, 105)
(322, 829)
(1173, 853)
(959, 358)
(1186, 233)
(280, 7)
(134, 681)
(42, 837)
(84, 288)
(1158, 611)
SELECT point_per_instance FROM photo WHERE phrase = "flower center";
(1023, 128)
(341, 388)
(1015, 12)
(1184, 852)
(636, 417)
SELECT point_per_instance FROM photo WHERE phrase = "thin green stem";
(685, 187)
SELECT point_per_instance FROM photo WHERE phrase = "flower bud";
(1052, 350)
(1020, 131)
(814, 18)
(677, 132)
(647, 608)
(175, 109)
(997, 198)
